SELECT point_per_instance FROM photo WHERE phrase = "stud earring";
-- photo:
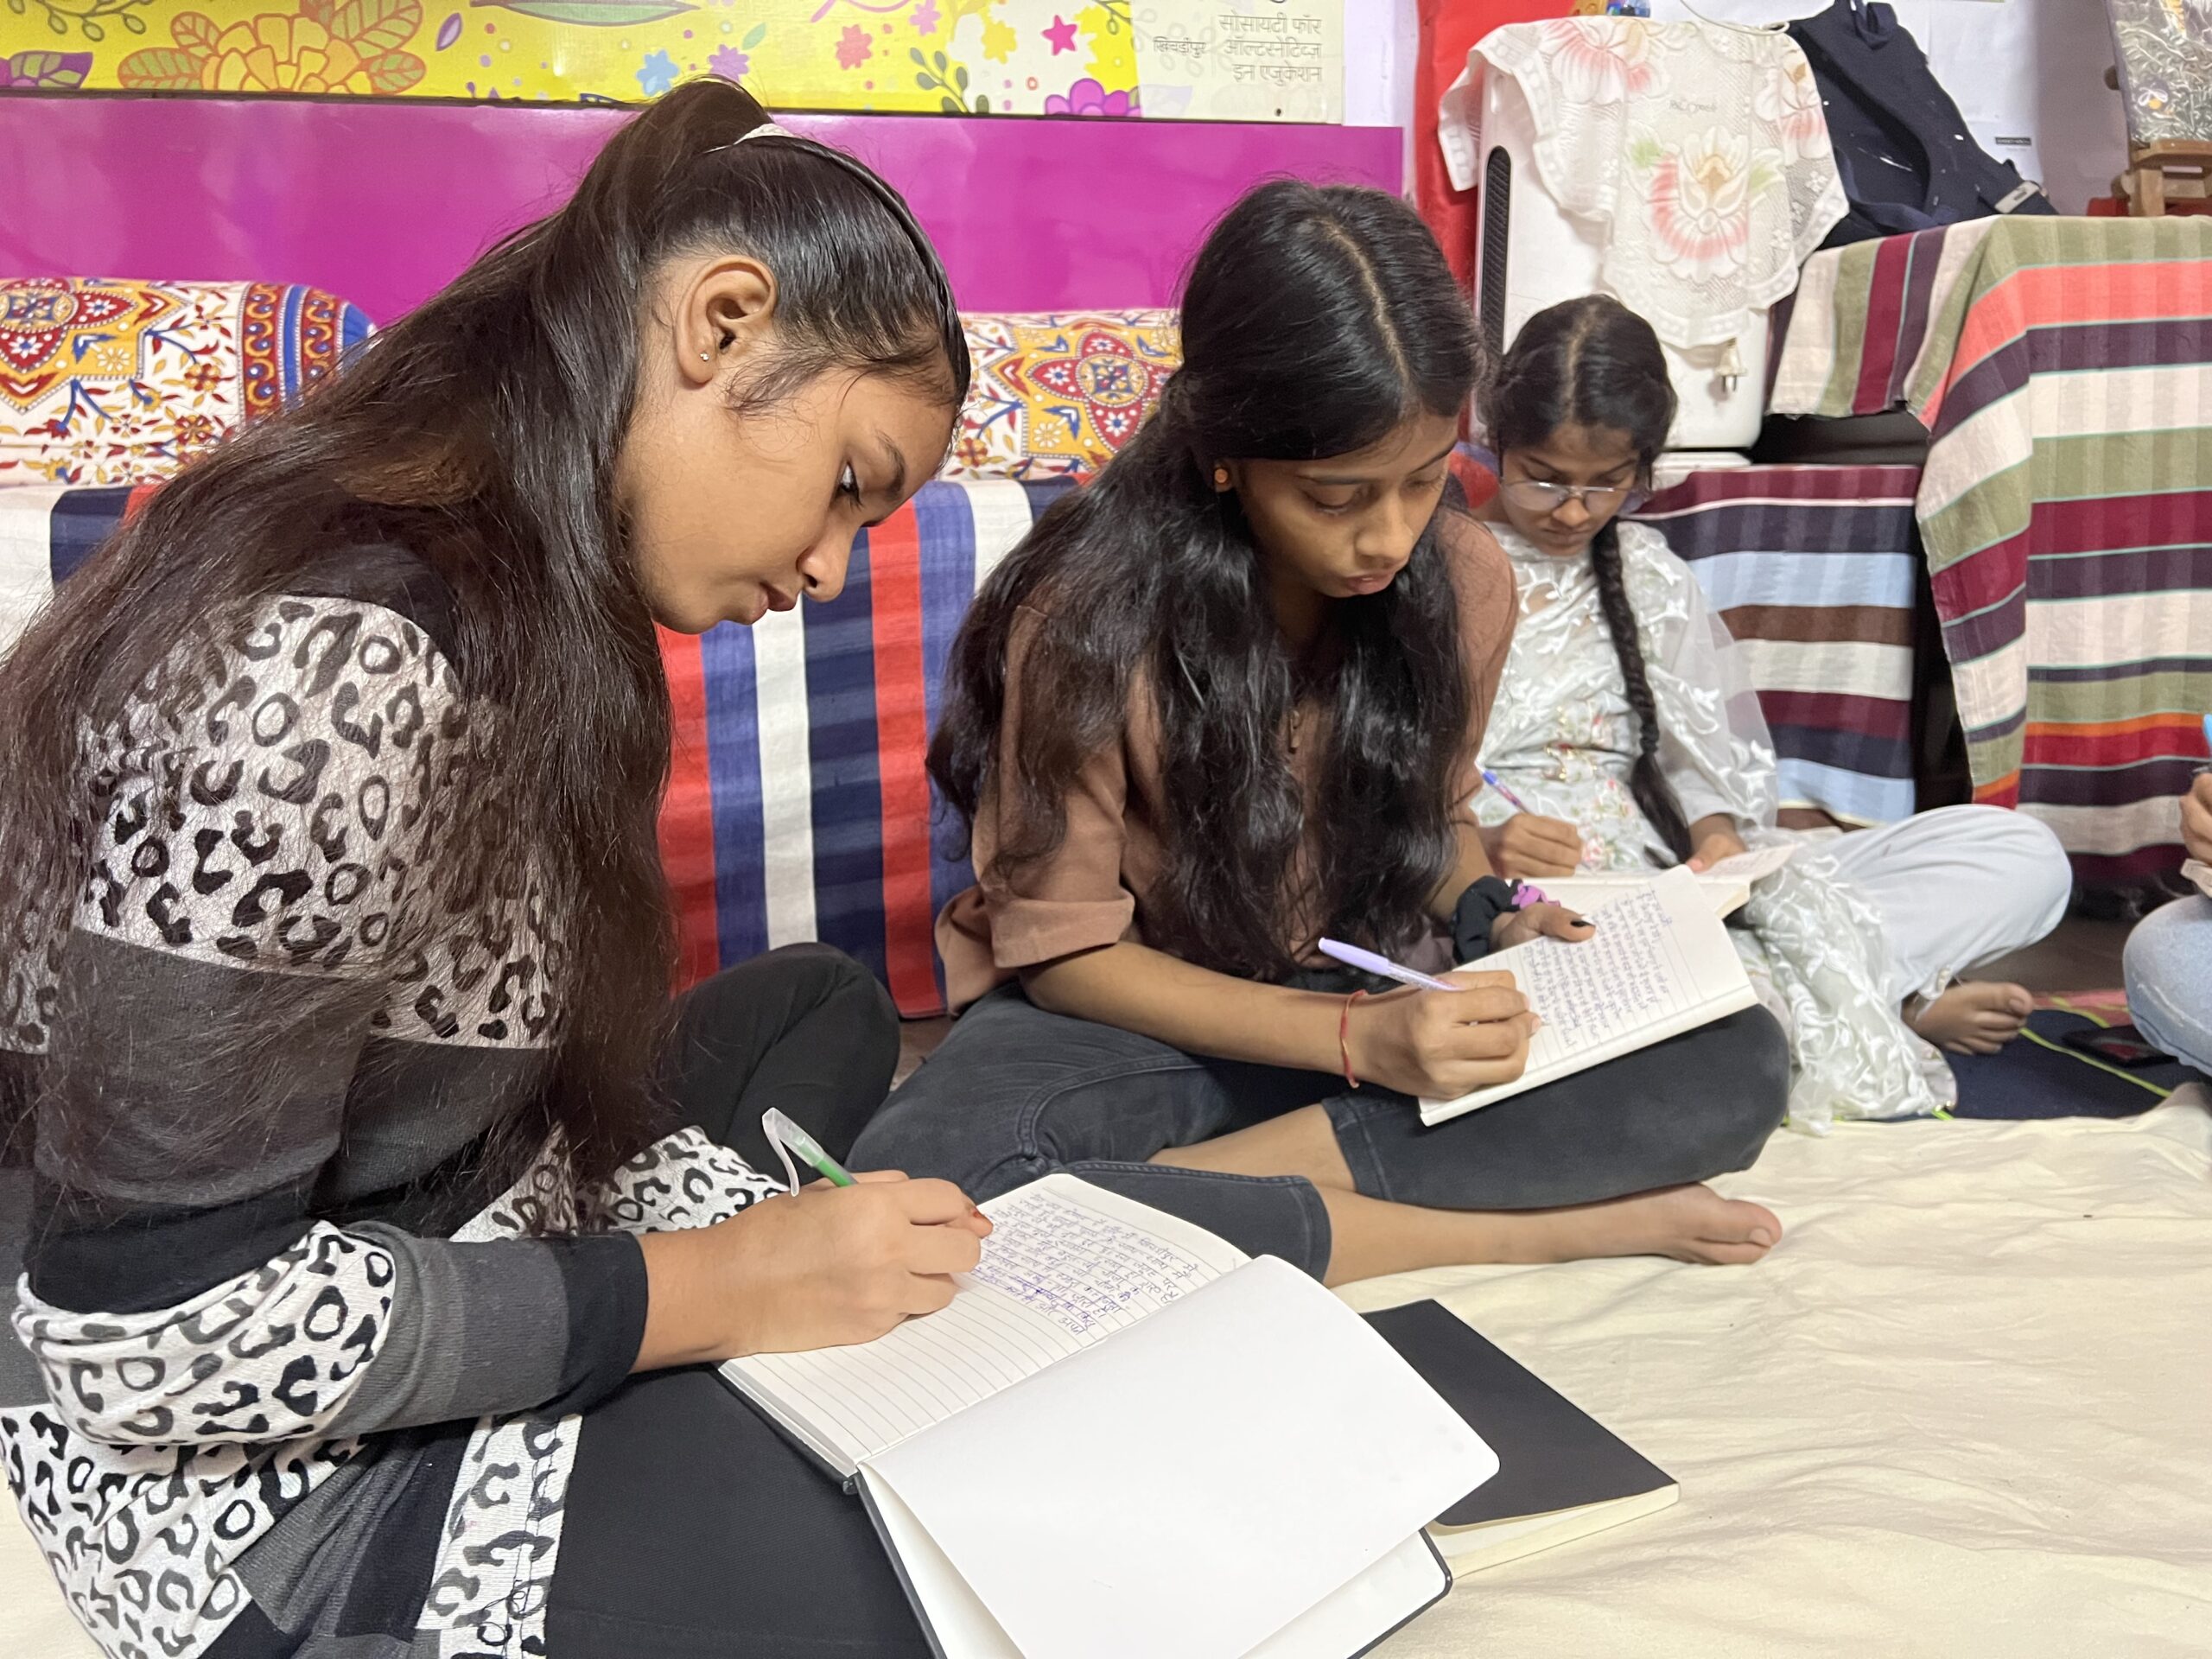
(706, 356)
(1221, 477)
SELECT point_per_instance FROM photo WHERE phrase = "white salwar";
(1838, 939)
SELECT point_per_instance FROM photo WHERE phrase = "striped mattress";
(798, 807)
(2063, 368)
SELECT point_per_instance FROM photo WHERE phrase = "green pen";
(780, 1129)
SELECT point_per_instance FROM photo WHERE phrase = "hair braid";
(1592, 362)
(1646, 782)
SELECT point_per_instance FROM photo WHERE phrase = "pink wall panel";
(383, 202)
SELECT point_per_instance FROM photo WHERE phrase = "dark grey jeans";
(1015, 1093)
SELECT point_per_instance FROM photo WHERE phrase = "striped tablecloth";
(2063, 368)
(1812, 570)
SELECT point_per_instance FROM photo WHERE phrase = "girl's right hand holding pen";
(1526, 847)
(827, 1266)
(1442, 1044)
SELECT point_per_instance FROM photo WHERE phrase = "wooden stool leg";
(2147, 200)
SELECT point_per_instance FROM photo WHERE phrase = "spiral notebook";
(1124, 1437)
(1659, 963)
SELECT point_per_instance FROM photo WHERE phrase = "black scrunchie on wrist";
(1477, 912)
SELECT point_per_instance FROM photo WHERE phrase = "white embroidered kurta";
(1563, 739)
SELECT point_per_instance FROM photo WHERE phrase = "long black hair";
(1593, 362)
(1315, 322)
(483, 431)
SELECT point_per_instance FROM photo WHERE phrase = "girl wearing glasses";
(1223, 703)
(1627, 728)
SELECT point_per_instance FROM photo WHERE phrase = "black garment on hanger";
(1908, 162)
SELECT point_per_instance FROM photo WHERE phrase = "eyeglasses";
(1541, 495)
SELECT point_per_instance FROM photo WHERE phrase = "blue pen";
(1520, 805)
(1383, 968)
(2207, 767)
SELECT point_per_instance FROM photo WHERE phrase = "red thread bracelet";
(1343, 1035)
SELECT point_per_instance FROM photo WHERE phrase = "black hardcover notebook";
(1562, 1474)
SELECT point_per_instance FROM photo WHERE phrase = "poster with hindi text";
(1241, 59)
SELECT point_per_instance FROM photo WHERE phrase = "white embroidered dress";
(1563, 739)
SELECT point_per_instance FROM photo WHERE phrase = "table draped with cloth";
(2063, 370)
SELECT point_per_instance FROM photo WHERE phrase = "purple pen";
(1510, 798)
(1383, 968)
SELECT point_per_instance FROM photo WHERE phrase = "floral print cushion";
(115, 382)
(1056, 393)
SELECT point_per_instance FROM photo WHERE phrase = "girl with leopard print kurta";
(338, 967)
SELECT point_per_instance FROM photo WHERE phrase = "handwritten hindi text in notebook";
(1033, 1459)
(1659, 963)
(1065, 1266)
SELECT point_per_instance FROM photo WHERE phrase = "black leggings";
(1016, 1093)
(692, 1529)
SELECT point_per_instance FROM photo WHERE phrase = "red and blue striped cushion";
(798, 808)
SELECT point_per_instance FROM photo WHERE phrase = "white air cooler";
(1533, 254)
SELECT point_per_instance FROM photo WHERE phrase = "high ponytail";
(484, 431)
(1593, 362)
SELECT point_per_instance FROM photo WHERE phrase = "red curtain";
(1448, 29)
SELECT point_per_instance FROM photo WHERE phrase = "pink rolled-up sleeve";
(1074, 899)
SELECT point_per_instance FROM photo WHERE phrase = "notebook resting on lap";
(1659, 963)
(1126, 1437)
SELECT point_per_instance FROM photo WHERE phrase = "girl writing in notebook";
(1223, 703)
(1628, 730)
(328, 800)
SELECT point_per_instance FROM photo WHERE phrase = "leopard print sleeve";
(233, 1058)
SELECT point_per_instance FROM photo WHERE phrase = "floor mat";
(1957, 1413)
(2040, 1076)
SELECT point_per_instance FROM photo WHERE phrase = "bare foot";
(1690, 1224)
(1974, 1016)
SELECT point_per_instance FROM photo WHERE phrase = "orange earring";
(1221, 477)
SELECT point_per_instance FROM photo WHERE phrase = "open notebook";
(1659, 963)
(1727, 882)
(1125, 1437)
(1588, 893)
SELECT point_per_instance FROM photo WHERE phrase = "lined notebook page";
(1067, 1265)
(1195, 1485)
(1660, 962)
(1755, 864)
(1586, 893)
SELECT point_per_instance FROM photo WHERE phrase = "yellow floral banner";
(1028, 57)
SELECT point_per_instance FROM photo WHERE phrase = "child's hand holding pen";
(1526, 845)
